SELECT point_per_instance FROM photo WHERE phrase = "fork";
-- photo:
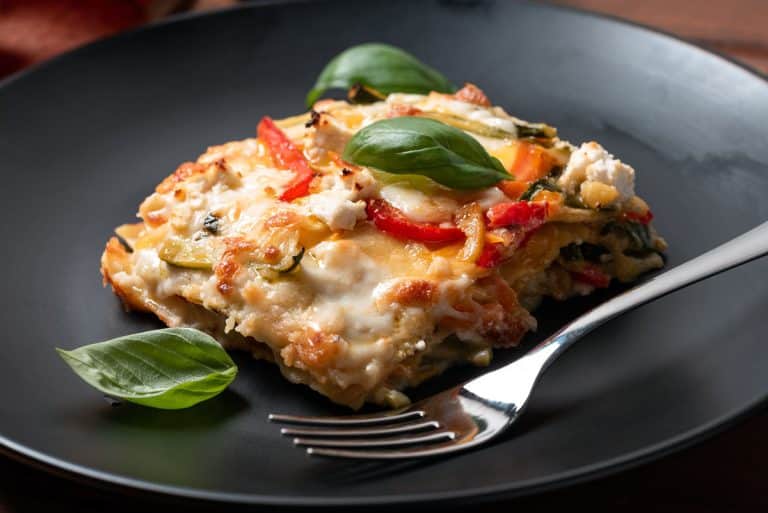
(478, 410)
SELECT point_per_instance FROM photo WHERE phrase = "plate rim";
(126, 485)
(114, 482)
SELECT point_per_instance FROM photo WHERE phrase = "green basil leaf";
(383, 67)
(421, 146)
(169, 369)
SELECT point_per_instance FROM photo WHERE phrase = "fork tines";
(363, 435)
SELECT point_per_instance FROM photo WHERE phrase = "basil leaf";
(383, 67)
(421, 146)
(169, 369)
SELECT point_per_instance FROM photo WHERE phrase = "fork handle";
(745, 248)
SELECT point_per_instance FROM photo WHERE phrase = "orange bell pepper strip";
(531, 162)
(512, 188)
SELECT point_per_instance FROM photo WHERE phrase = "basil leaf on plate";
(421, 146)
(170, 368)
(385, 68)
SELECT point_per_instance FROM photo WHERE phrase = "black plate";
(85, 138)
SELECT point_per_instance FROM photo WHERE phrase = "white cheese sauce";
(490, 116)
(419, 206)
(343, 279)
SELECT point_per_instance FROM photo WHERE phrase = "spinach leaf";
(542, 184)
(639, 235)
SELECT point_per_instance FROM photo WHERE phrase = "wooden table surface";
(726, 473)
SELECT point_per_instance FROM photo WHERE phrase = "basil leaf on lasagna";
(384, 68)
(169, 369)
(421, 146)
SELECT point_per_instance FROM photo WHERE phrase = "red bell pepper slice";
(490, 256)
(286, 155)
(527, 214)
(592, 276)
(639, 218)
(392, 221)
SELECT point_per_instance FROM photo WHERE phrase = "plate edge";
(112, 482)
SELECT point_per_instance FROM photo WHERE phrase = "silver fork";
(476, 411)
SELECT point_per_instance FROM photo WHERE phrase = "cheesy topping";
(343, 279)
(340, 303)
(591, 164)
(419, 206)
(490, 116)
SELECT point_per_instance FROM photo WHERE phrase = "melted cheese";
(362, 313)
(494, 117)
(343, 279)
(419, 207)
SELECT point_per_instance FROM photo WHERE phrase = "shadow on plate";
(202, 416)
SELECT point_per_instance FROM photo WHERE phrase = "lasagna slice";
(361, 283)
